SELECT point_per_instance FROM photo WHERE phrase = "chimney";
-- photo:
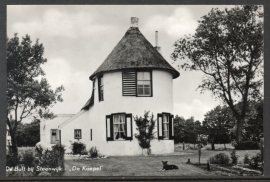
(157, 47)
(134, 22)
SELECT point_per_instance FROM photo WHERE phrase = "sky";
(77, 39)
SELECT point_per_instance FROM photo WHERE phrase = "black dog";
(168, 167)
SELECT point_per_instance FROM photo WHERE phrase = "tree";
(145, 126)
(228, 48)
(217, 124)
(28, 92)
(29, 134)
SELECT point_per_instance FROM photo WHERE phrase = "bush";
(254, 161)
(10, 162)
(52, 159)
(234, 157)
(247, 145)
(77, 148)
(246, 159)
(28, 159)
(220, 158)
(93, 152)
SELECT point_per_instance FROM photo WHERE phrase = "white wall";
(114, 102)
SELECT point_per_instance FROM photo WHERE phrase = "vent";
(129, 83)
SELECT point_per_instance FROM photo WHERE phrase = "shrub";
(77, 148)
(246, 159)
(254, 161)
(93, 152)
(247, 145)
(53, 159)
(234, 157)
(220, 158)
(28, 159)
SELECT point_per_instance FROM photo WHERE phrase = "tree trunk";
(213, 145)
(14, 146)
(239, 129)
(225, 146)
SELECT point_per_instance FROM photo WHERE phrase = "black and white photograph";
(135, 90)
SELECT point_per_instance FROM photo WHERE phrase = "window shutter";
(171, 132)
(60, 137)
(109, 128)
(129, 83)
(99, 96)
(160, 127)
(129, 127)
(51, 137)
(57, 136)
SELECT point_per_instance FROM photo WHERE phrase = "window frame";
(151, 83)
(101, 91)
(111, 116)
(170, 126)
(75, 133)
(56, 136)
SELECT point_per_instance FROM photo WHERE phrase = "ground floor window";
(119, 127)
(77, 133)
(54, 136)
(165, 126)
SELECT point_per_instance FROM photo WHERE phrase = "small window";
(101, 88)
(144, 84)
(54, 137)
(77, 133)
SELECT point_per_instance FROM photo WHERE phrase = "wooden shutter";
(99, 94)
(160, 126)
(109, 128)
(60, 142)
(129, 85)
(171, 135)
(129, 127)
(57, 136)
(91, 135)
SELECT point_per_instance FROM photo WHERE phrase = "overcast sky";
(77, 39)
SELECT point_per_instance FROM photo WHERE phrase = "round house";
(133, 79)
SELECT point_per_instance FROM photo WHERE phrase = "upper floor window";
(137, 83)
(143, 84)
(101, 88)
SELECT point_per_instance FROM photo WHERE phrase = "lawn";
(148, 165)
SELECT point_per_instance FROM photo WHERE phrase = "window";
(77, 133)
(165, 123)
(91, 137)
(119, 127)
(165, 126)
(101, 88)
(137, 83)
(54, 136)
(144, 84)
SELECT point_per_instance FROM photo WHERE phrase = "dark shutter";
(160, 126)
(109, 128)
(60, 142)
(91, 135)
(129, 132)
(99, 94)
(171, 137)
(129, 83)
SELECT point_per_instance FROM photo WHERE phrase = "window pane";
(146, 91)
(146, 75)
(146, 83)
(140, 91)
(140, 83)
(139, 75)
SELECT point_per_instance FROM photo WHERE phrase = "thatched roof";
(134, 52)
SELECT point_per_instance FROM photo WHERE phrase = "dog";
(168, 167)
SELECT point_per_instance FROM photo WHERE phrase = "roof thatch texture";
(134, 52)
